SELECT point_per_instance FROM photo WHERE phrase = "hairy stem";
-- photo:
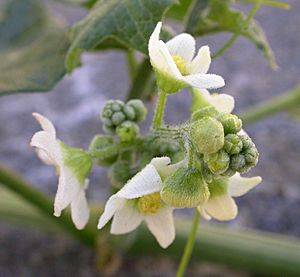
(189, 246)
(282, 103)
(159, 110)
(229, 43)
(44, 204)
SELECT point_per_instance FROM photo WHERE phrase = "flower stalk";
(159, 110)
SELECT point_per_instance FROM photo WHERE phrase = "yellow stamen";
(181, 64)
(149, 204)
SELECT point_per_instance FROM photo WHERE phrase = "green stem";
(131, 63)
(44, 205)
(229, 43)
(189, 246)
(159, 110)
(270, 3)
(142, 83)
(285, 102)
(193, 15)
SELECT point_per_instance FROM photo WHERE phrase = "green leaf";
(219, 17)
(33, 46)
(130, 22)
(179, 10)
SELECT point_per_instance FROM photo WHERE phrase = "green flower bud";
(231, 123)
(245, 169)
(117, 105)
(237, 162)
(207, 174)
(207, 135)
(247, 142)
(139, 108)
(129, 112)
(104, 150)
(108, 129)
(185, 188)
(117, 118)
(217, 162)
(127, 131)
(209, 111)
(251, 156)
(107, 122)
(233, 144)
(218, 187)
(119, 173)
(228, 173)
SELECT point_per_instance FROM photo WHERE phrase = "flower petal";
(68, 188)
(145, 182)
(203, 213)
(160, 57)
(125, 220)
(221, 207)
(224, 103)
(204, 81)
(49, 146)
(239, 186)
(201, 62)
(79, 209)
(112, 205)
(183, 46)
(161, 226)
(45, 123)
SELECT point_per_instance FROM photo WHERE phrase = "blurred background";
(74, 106)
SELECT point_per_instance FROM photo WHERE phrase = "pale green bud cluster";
(216, 137)
(123, 118)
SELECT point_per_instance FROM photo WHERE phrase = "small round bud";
(251, 156)
(117, 106)
(108, 129)
(209, 111)
(127, 131)
(207, 135)
(119, 173)
(233, 144)
(117, 118)
(231, 123)
(228, 173)
(107, 122)
(129, 112)
(104, 150)
(218, 162)
(207, 174)
(185, 188)
(139, 108)
(237, 162)
(247, 142)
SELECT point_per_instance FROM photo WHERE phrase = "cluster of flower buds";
(123, 118)
(225, 147)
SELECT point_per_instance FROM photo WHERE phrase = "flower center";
(149, 204)
(181, 64)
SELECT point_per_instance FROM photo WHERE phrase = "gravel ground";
(74, 105)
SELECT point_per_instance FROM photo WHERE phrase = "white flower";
(72, 165)
(140, 200)
(223, 103)
(174, 64)
(221, 205)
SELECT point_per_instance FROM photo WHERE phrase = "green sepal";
(217, 162)
(104, 150)
(218, 187)
(209, 111)
(237, 162)
(185, 188)
(231, 123)
(78, 161)
(233, 144)
(119, 173)
(167, 83)
(207, 135)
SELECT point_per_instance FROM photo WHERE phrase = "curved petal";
(68, 188)
(160, 57)
(49, 146)
(45, 123)
(145, 182)
(239, 186)
(201, 62)
(203, 213)
(221, 207)
(79, 209)
(204, 81)
(125, 220)
(112, 205)
(224, 103)
(161, 226)
(183, 46)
